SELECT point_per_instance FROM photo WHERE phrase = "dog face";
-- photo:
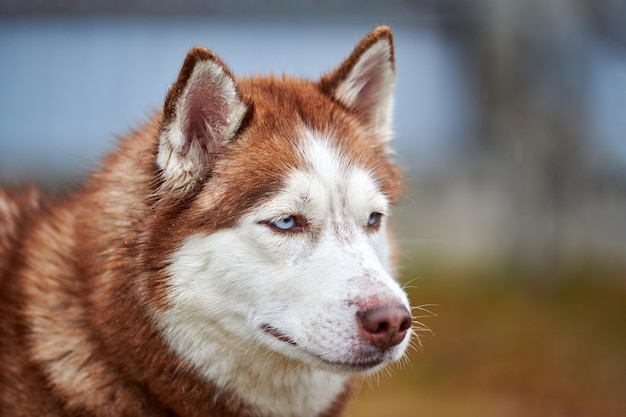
(282, 248)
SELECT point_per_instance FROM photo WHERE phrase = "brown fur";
(82, 278)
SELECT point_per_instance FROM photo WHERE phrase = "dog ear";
(365, 82)
(202, 112)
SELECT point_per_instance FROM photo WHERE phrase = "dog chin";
(366, 360)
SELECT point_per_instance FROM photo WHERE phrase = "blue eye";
(374, 220)
(286, 223)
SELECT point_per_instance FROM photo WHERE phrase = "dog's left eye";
(374, 220)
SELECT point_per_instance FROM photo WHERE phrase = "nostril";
(374, 326)
(406, 323)
(373, 320)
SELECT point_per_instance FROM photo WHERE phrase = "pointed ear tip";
(198, 49)
(382, 33)
(382, 37)
(199, 53)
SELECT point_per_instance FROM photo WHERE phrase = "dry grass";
(511, 347)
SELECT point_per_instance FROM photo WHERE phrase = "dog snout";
(384, 325)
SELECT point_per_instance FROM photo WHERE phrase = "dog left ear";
(365, 82)
(203, 111)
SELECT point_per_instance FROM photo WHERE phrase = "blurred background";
(511, 124)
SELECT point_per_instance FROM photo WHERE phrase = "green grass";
(511, 346)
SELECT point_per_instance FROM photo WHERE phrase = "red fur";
(83, 278)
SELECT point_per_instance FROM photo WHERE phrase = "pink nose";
(385, 326)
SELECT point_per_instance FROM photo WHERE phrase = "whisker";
(423, 308)
(417, 345)
(406, 196)
(419, 327)
(409, 282)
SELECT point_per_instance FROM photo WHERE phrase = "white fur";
(226, 286)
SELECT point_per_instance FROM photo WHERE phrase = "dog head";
(274, 197)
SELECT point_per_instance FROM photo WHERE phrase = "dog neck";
(268, 381)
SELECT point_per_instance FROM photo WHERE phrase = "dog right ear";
(364, 82)
(202, 112)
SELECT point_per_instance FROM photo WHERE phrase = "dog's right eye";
(288, 224)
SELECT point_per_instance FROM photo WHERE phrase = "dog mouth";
(357, 365)
(274, 332)
(363, 364)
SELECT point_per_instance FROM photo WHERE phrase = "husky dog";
(230, 258)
